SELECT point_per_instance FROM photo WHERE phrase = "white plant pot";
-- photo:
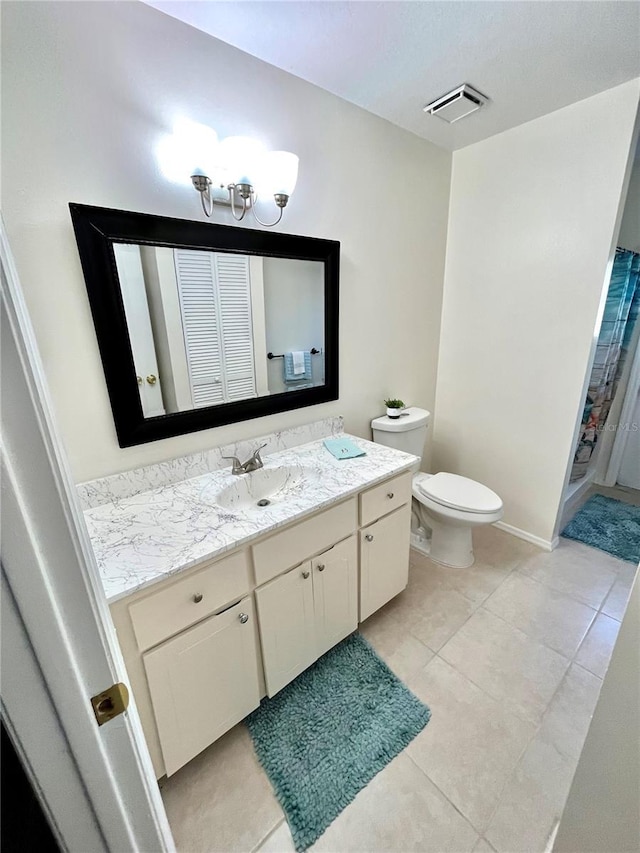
(394, 413)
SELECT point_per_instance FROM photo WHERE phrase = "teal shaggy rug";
(325, 736)
(608, 524)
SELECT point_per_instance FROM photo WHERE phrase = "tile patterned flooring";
(509, 655)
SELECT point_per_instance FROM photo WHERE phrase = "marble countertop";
(145, 538)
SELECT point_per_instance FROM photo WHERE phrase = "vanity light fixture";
(235, 171)
(244, 169)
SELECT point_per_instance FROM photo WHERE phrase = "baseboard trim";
(545, 544)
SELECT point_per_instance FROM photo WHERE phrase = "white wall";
(90, 88)
(629, 237)
(531, 227)
(294, 314)
(602, 814)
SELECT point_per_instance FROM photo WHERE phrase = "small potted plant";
(394, 408)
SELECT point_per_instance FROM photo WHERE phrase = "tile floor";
(510, 656)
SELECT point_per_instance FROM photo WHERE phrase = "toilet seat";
(457, 493)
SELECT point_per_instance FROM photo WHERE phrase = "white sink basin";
(268, 485)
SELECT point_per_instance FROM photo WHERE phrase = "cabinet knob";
(321, 567)
(390, 495)
(151, 379)
(244, 618)
(197, 598)
(305, 574)
(369, 537)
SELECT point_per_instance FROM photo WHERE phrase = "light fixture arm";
(254, 199)
(202, 183)
(232, 195)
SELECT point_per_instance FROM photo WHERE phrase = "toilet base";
(421, 543)
(452, 546)
(448, 544)
(448, 548)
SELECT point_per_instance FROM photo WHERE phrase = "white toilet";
(446, 507)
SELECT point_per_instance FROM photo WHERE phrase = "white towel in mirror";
(298, 361)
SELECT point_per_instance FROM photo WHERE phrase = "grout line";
(268, 835)
(509, 705)
(568, 594)
(439, 789)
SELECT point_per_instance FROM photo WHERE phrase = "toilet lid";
(460, 493)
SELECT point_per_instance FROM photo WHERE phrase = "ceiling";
(393, 57)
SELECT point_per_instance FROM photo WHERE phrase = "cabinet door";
(335, 593)
(384, 560)
(203, 682)
(285, 611)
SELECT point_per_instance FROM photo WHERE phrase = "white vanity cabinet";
(204, 646)
(203, 682)
(384, 560)
(385, 518)
(306, 611)
(287, 626)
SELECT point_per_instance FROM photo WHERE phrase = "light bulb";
(281, 167)
(239, 156)
(190, 149)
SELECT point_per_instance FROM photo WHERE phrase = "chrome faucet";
(252, 464)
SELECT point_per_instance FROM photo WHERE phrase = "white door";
(215, 300)
(96, 784)
(285, 610)
(629, 474)
(203, 682)
(384, 560)
(335, 593)
(136, 308)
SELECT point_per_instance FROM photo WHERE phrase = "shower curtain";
(618, 323)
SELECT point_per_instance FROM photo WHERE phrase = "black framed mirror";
(201, 325)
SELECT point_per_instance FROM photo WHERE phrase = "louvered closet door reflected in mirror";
(215, 303)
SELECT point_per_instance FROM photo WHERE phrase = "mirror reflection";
(208, 328)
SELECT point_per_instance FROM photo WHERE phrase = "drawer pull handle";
(305, 575)
(197, 598)
(244, 618)
(369, 537)
(390, 495)
(321, 567)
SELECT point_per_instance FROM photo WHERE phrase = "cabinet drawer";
(296, 544)
(162, 614)
(385, 497)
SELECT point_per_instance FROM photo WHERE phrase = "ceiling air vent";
(457, 104)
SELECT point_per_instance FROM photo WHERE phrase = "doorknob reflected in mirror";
(151, 379)
(139, 379)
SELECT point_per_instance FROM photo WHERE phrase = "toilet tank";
(408, 432)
